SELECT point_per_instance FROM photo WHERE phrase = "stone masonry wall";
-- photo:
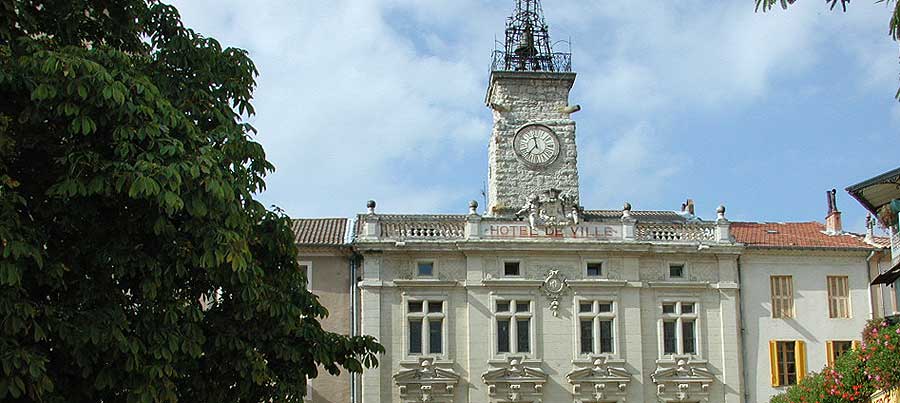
(528, 98)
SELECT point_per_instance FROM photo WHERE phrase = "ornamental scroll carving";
(551, 209)
(554, 286)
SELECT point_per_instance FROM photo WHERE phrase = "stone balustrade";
(675, 232)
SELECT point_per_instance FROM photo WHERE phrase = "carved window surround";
(515, 381)
(426, 380)
(603, 380)
(682, 380)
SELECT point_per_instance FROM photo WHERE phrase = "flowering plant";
(847, 379)
(810, 389)
(880, 351)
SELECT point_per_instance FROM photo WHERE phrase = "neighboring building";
(805, 299)
(325, 256)
(881, 196)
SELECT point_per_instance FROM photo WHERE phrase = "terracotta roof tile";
(793, 235)
(320, 231)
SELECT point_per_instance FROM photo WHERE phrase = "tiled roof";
(881, 241)
(320, 231)
(793, 235)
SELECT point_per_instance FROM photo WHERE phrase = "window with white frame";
(306, 268)
(513, 325)
(677, 271)
(593, 269)
(512, 268)
(679, 328)
(425, 268)
(425, 326)
(596, 327)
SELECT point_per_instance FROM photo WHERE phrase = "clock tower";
(532, 150)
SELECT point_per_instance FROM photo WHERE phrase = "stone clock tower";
(532, 150)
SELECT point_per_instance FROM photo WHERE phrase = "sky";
(708, 100)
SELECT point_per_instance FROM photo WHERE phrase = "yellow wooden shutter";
(773, 362)
(856, 345)
(800, 358)
(829, 353)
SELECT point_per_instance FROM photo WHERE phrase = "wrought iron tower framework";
(527, 46)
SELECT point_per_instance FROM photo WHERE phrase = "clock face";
(536, 145)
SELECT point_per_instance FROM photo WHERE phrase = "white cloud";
(362, 99)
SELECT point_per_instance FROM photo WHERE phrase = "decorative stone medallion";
(554, 286)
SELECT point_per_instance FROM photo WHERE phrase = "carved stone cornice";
(603, 381)
(682, 380)
(428, 381)
(515, 382)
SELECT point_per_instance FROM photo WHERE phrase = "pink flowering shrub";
(880, 351)
(856, 375)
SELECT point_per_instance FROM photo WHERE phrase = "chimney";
(688, 206)
(833, 219)
(870, 229)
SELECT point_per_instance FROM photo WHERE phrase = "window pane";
(587, 337)
(668, 308)
(415, 337)
(503, 335)
(688, 345)
(676, 271)
(502, 306)
(786, 363)
(511, 268)
(426, 268)
(594, 269)
(435, 307)
(841, 347)
(687, 308)
(434, 336)
(605, 307)
(415, 306)
(606, 336)
(584, 307)
(523, 341)
(669, 343)
(523, 306)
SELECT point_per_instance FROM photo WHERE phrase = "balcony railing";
(675, 232)
(401, 230)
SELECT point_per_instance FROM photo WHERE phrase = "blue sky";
(707, 100)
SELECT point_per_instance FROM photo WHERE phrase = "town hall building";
(537, 298)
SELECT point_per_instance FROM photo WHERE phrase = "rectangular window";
(434, 336)
(503, 335)
(415, 336)
(838, 297)
(679, 328)
(670, 341)
(688, 343)
(606, 336)
(587, 336)
(782, 288)
(836, 348)
(788, 361)
(513, 322)
(511, 268)
(426, 327)
(523, 340)
(306, 268)
(594, 269)
(596, 319)
(676, 271)
(425, 269)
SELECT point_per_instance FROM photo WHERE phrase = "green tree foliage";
(127, 175)
(893, 25)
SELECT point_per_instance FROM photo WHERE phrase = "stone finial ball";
(627, 206)
(473, 204)
(721, 209)
(370, 204)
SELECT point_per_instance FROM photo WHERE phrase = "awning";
(888, 277)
